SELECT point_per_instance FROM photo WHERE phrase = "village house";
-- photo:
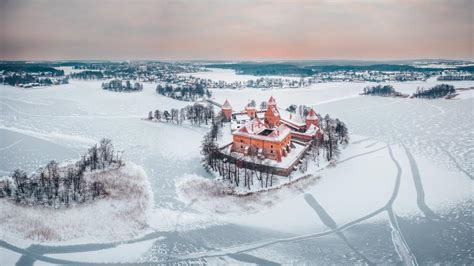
(268, 134)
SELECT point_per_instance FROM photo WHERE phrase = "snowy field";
(401, 192)
(228, 75)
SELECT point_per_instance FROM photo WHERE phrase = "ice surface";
(60, 122)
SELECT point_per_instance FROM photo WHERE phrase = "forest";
(15, 79)
(22, 67)
(300, 69)
(184, 92)
(196, 114)
(438, 91)
(58, 186)
(87, 75)
(382, 90)
(117, 85)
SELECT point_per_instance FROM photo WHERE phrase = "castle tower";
(251, 111)
(227, 110)
(272, 116)
(312, 119)
(271, 102)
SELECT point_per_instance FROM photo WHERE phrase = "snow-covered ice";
(421, 149)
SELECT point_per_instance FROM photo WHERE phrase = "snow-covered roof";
(312, 130)
(271, 101)
(226, 105)
(312, 115)
(273, 111)
(291, 119)
(255, 129)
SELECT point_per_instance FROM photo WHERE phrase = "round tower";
(227, 110)
(251, 111)
(312, 119)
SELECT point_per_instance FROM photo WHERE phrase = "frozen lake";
(402, 191)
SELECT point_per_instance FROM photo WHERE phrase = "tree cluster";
(334, 132)
(379, 90)
(117, 85)
(62, 186)
(23, 79)
(196, 114)
(301, 110)
(87, 75)
(184, 92)
(438, 91)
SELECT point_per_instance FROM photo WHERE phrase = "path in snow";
(11, 145)
(407, 257)
(439, 130)
(420, 193)
(36, 252)
(329, 222)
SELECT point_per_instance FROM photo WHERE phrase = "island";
(86, 199)
(256, 149)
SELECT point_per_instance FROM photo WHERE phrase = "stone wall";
(254, 165)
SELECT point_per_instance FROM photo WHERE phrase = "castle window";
(271, 146)
(241, 146)
(241, 141)
(271, 151)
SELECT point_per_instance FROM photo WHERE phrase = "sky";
(236, 29)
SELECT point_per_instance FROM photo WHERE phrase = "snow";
(59, 122)
(226, 135)
(8, 257)
(354, 188)
(123, 214)
(121, 254)
(214, 198)
(229, 75)
(464, 95)
(69, 70)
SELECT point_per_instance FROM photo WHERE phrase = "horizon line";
(236, 60)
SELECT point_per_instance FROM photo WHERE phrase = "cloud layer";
(235, 29)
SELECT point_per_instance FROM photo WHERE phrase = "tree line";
(184, 92)
(63, 186)
(438, 91)
(196, 114)
(25, 78)
(117, 85)
(87, 75)
(380, 90)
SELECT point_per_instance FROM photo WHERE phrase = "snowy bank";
(122, 215)
(213, 196)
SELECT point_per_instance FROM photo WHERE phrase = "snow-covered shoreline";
(122, 215)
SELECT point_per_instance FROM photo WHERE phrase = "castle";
(268, 134)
